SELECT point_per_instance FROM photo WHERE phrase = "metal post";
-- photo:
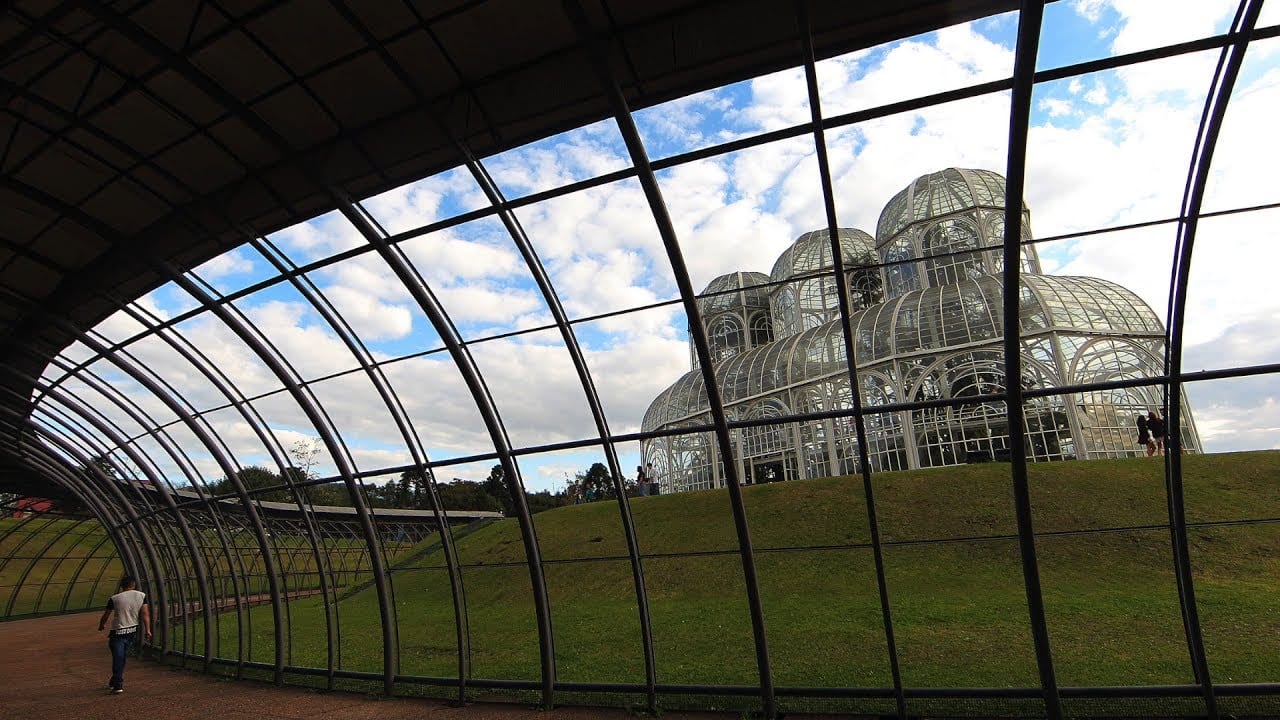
(1215, 109)
(847, 332)
(648, 181)
(1030, 18)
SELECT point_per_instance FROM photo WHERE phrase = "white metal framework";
(925, 298)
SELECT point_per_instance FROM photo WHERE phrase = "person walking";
(1144, 436)
(1155, 424)
(127, 611)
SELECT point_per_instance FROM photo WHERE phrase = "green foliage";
(595, 483)
(496, 486)
(252, 478)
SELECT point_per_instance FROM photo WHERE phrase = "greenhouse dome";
(735, 310)
(929, 344)
(803, 297)
(944, 227)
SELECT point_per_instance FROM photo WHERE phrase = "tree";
(305, 453)
(334, 493)
(107, 466)
(596, 483)
(496, 486)
(254, 477)
(402, 492)
(467, 495)
(411, 491)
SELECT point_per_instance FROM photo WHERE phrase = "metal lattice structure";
(927, 328)
(342, 150)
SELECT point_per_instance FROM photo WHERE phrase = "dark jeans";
(119, 646)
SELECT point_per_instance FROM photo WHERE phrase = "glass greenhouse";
(925, 298)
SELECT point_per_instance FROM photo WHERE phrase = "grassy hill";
(47, 563)
(953, 570)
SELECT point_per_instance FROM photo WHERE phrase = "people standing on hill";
(128, 612)
(642, 482)
(1144, 436)
(652, 476)
(1155, 424)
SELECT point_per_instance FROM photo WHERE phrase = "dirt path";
(57, 667)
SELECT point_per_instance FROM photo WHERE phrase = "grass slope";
(46, 563)
(953, 570)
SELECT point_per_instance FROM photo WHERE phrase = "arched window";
(953, 235)
(900, 274)
(865, 288)
(761, 329)
(726, 337)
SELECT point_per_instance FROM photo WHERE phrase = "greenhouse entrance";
(767, 470)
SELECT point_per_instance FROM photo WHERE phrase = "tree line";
(409, 491)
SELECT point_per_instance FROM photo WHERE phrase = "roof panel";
(227, 62)
(138, 121)
(305, 35)
(361, 91)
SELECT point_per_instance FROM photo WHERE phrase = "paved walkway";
(57, 667)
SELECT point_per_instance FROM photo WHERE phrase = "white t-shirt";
(125, 606)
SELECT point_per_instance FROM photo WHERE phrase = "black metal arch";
(166, 534)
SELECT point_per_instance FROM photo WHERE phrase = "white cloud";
(1056, 108)
(375, 320)
(1097, 95)
(230, 263)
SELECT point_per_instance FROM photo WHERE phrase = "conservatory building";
(926, 295)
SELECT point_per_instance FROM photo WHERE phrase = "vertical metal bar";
(518, 236)
(597, 54)
(147, 528)
(54, 467)
(142, 529)
(136, 564)
(310, 407)
(177, 455)
(435, 312)
(269, 441)
(137, 416)
(183, 462)
(224, 463)
(400, 416)
(103, 425)
(847, 331)
(1030, 17)
(1215, 108)
(64, 558)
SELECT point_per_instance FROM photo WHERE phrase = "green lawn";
(46, 563)
(959, 608)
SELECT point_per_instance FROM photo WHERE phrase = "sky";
(1105, 149)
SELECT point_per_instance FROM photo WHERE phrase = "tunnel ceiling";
(141, 134)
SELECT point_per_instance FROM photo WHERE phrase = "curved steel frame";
(187, 551)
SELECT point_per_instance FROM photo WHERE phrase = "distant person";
(652, 476)
(1144, 436)
(642, 481)
(1155, 424)
(128, 611)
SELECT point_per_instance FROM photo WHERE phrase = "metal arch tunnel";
(133, 157)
